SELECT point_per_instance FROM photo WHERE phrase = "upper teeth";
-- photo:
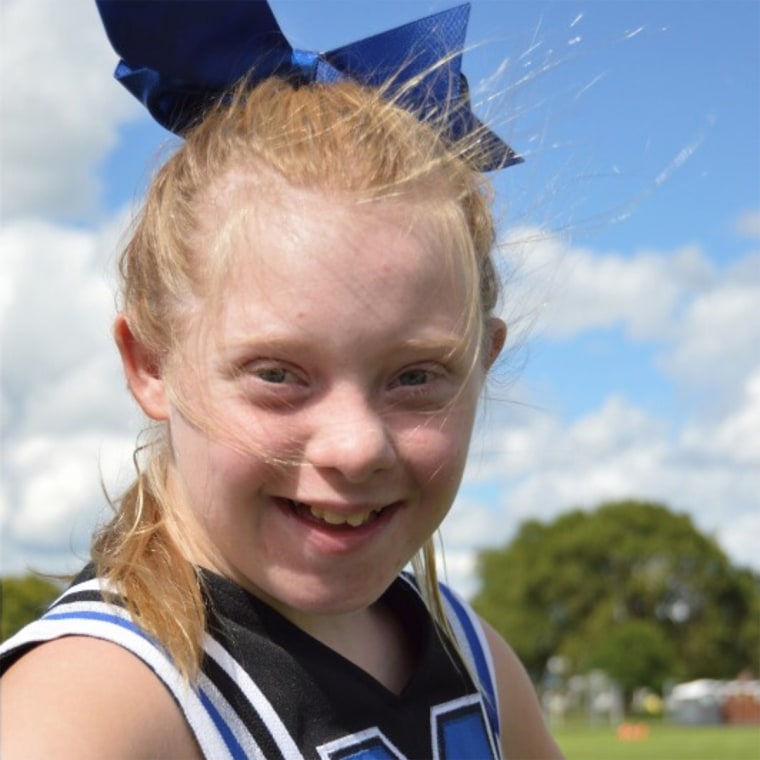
(355, 519)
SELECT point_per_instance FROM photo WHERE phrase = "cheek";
(437, 449)
(231, 434)
(258, 434)
(209, 468)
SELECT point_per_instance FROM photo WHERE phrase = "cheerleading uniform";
(269, 690)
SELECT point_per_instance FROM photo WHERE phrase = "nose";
(350, 437)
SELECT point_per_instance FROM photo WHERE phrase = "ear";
(496, 337)
(142, 370)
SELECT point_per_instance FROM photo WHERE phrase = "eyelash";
(265, 374)
(414, 373)
(438, 389)
(273, 381)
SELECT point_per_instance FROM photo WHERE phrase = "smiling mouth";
(334, 519)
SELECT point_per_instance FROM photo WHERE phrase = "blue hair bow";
(179, 56)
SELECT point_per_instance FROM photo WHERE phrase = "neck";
(372, 638)
(377, 643)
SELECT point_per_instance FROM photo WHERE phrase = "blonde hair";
(339, 137)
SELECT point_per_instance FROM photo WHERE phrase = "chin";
(318, 596)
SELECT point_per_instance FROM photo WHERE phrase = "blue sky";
(630, 239)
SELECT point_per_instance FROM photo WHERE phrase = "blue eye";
(272, 373)
(276, 375)
(414, 377)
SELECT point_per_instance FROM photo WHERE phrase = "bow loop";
(180, 56)
(423, 57)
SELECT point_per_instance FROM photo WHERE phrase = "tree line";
(630, 588)
(23, 599)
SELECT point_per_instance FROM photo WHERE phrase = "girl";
(307, 317)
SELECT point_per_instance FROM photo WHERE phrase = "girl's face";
(337, 388)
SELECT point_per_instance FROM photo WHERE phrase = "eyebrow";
(449, 344)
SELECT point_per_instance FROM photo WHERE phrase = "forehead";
(292, 255)
(254, 222)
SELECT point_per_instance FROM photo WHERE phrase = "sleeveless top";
(269, 690)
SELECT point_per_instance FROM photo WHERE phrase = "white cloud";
(748, 225)
(580, 289)
(718, 340)
(67, 416)
(60, 106)
(53, 497)
(61, 303)
(739, 535)
(701, 316)
(736, 436)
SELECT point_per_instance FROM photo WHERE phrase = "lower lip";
(339, 539)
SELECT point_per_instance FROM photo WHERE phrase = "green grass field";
(664, 742)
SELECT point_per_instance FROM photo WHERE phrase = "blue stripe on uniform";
(103, 617)
(237, 752)
(476, 646)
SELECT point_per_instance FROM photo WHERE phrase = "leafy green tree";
(22, 599)
(634, 653)
(630, 587)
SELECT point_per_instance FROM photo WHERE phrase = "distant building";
(708, 701)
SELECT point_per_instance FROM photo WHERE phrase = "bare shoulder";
(524, 734)
(80, 697)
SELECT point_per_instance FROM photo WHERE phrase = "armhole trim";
(470, 637)
(471, 641)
